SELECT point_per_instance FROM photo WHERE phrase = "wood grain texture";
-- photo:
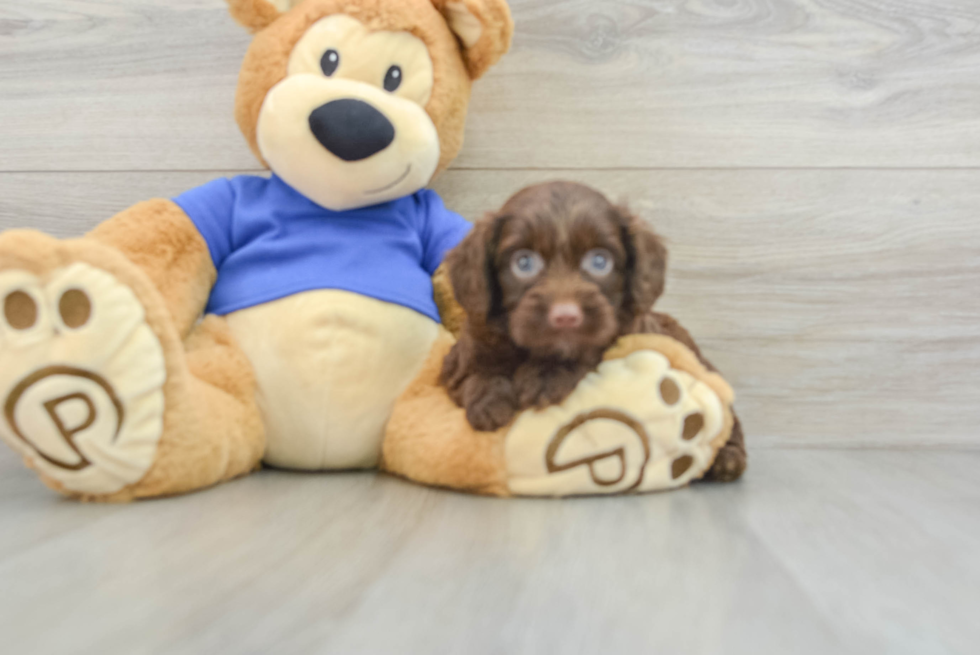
(842, 305)
(149, 85)
(815, 552)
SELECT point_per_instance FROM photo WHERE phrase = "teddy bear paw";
(636, 424)
(81, 377)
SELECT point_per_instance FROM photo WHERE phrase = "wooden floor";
(815, 167)
(816, 552)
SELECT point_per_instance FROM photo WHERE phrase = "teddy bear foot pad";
(636, 424)
(81, 380)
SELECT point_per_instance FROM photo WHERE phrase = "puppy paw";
(539, 387)
(491, 403)
(729, 465)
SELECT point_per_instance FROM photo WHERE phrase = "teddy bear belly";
(329, 366)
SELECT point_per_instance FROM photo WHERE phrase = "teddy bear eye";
(393, 79)
(330, 62)
(598, 262)
(526, 264)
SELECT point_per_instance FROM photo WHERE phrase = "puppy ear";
(646, 266)
(256, 15)
(472, 270)
(483, 27)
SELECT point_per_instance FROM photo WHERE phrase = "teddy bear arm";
(429, 440)
(450, 311)
(161, 239)
(651, 417)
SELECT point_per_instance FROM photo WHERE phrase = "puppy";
(548, 284)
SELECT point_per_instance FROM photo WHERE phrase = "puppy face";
(560, 269)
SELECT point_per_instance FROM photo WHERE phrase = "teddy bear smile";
(401, 178)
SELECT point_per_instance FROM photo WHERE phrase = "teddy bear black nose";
(351, 129)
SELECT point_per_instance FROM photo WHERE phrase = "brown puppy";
(548, 284)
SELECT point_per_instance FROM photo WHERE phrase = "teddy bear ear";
(483, 27)
(256, 15)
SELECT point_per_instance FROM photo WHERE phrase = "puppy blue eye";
(329, 62)
(526, 264)
(393, 79)
(598, 262)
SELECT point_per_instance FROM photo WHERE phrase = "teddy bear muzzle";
(351, 129)
(344, 143)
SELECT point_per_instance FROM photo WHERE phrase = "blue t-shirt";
(268, 241)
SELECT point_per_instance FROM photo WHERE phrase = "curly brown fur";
(516, 350)
(530, 337)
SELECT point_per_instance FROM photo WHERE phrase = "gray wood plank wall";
(814, 164)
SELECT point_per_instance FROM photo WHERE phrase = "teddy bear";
(300, 320)
(314, 283)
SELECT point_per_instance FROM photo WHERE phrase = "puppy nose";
(565, 316)
(351, 129)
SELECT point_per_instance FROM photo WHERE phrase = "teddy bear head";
(357, 102)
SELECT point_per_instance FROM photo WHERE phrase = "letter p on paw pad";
(81, 378)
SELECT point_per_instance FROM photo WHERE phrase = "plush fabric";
(623, 430)
(256, 15)
(267, 61)
(267, 242)
(158, 237)
(329, 366)
(428, 439)
(365, 55)
(210, 429)
(484, 26)
(114, 386)
(453, 316)
(382, 144)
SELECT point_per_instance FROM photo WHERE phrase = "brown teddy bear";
(321, 342)
(316, 282)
